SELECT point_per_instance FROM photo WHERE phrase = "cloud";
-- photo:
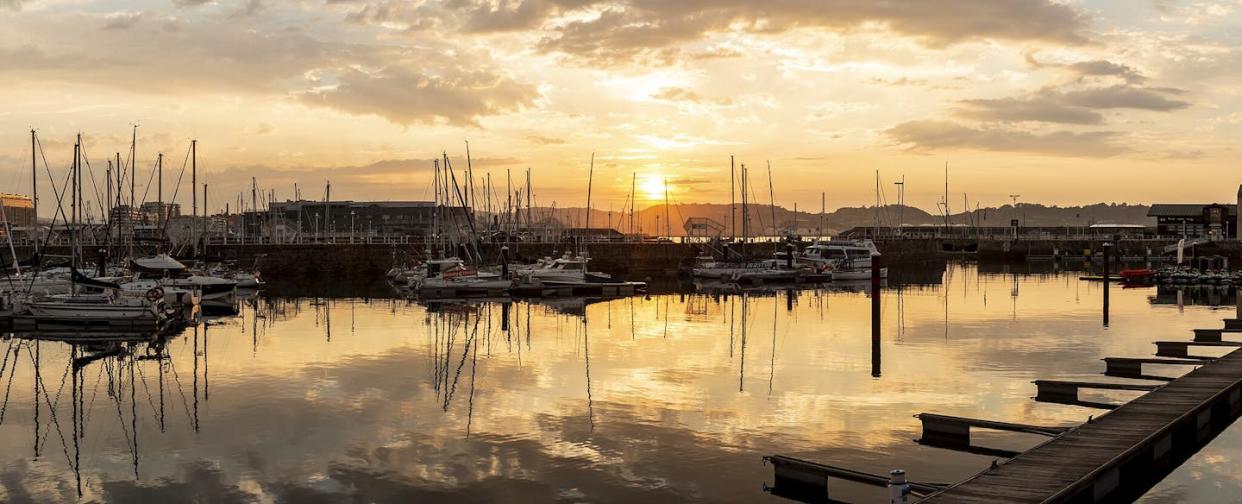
(405, 96)
(545, 140)
(677, 94)
(1035, 109)
(945, 135)
(192, 3)
(11, 4)
(651, 30)
(1077, 100)
(405, 84)
(121, 20)
(1126, 97)
(1104, 67)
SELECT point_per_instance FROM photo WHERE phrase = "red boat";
(1142, 275)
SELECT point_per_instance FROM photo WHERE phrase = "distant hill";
(648, 220)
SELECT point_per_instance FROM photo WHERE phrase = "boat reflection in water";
(76, 379)
(663, 397)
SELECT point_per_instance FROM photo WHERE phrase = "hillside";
(648, 220)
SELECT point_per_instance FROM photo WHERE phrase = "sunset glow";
(366, 93)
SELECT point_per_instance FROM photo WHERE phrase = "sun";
(653, 187)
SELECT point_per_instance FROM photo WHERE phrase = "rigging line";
(51, 411)
(60, 194)
(56, 403)
(147, 189)
(465, 351)
(150, 400)
(90, 408)
(119, 415)
(177, 188)
(5, 363)
(87, 160)
(9, 387)
(177, 379)
(133, 412)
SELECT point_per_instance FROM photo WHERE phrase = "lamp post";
(351, 227)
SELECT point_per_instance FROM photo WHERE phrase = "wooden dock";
(1120, 455)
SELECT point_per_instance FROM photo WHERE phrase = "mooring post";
(1107, 268)
(504, 262)
(789, 255)
(875, 315)
(898, 488)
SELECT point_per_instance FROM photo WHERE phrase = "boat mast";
(133, 170)
(633, 202)
(108, 197)
(34, 189)
(73, 211)
(193, 193)
(159, 192)
(590, 179)
(732, 201)
(668, 229)
(772, 199)
(530, 222)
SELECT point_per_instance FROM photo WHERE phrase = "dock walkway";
(1121, 454)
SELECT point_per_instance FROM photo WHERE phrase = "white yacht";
(563, 270)
(451, 277)
(844, 259)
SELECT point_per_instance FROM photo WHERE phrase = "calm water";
(665, 398)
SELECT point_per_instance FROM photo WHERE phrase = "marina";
(580, 380)
(620, 251)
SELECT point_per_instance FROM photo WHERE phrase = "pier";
(1121, 454)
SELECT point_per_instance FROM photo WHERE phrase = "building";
(702, 227)
(19, 211)
(1216, 221)
(346, 218)
(151, 211)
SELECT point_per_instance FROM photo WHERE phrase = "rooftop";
(1186, 209)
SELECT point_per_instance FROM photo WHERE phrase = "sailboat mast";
(946, 196)
(73, 202)
(668, 229)
(633, 202)
(772, 198)
(34, 189)
(108, 218)
(194, 192)
(590, 179)
(133, 168)
(530, 222)
(159, 192)
(732, 203)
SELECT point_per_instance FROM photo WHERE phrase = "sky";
(1058, 101)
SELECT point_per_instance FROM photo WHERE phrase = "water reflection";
(669, 397)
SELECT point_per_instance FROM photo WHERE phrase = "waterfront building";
(342, 219)
(152, 210)
(18, 211)
(703, 227)
(1215, 221)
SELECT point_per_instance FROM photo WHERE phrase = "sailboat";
(76, 308)
(451, 277)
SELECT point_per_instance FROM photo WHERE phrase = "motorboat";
(96, 307)
(451, 277)
(566, 269)
(825, 255)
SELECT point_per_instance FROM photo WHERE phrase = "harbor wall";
(638, 261)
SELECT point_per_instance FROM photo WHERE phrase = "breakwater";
(643, 260)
